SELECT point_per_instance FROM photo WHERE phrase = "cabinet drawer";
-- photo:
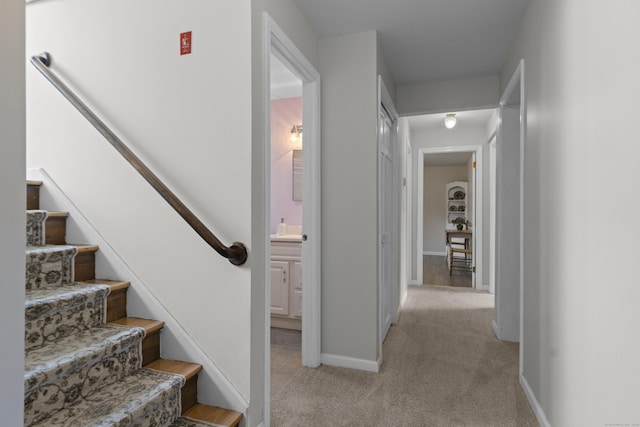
(286, 249)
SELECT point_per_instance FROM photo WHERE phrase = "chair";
(460, 255)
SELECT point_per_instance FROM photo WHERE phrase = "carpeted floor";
(442, 366)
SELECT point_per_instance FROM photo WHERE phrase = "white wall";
(434, 200)
(349, 196)
(12, 217)
(186, 117)
(452, 95)
(284, 114)
(581, 312)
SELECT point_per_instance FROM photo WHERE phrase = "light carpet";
(442, 366)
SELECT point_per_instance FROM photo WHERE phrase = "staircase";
(86, 362)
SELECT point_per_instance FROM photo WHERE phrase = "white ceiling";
(464, 118)
(426, 40)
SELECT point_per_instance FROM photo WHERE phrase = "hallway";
(442, 366)
(436, 272)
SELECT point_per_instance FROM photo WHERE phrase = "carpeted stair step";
(49, 266)
(190, 422)
(190, 371)
(151, 343)
(117, 299)
(45, 227)
(61, 372)
(52, 313)
(144, 398)
(214, 415)
(36, 227)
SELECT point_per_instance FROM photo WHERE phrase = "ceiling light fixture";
(450, 121)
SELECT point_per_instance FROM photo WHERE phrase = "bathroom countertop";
(286, 238)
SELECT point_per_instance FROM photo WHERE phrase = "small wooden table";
(467, 235)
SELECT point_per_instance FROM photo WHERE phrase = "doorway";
(507, 324)
(302, 167)
(388, 213)
(474, 187)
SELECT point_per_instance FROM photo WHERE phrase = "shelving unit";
(456, 202)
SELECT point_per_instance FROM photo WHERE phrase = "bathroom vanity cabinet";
(286, 282)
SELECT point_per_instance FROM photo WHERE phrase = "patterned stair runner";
(80, 371)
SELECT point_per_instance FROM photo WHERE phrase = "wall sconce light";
(296, 133)
(450, 121)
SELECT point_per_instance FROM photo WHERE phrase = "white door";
(386, 222)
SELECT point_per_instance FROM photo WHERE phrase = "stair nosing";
(189, 370)
(149, 325)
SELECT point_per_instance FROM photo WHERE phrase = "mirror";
(297, 175)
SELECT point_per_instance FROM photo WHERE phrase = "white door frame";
(477, 241)
(409, 218)
(492, 214)
(386, 103)
(503, 325)
(277, 43)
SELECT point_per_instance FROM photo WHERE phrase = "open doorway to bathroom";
(286, 224)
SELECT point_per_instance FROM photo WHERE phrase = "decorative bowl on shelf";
(461, 208)
(452, 208)
(458, 195)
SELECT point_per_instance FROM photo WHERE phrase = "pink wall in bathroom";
(284, 114)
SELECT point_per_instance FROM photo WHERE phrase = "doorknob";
(304, 237)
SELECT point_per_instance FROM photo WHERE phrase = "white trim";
(351, 362)
(478, 226)
(535, 405)
(214, 387)
(492, 212)
(385, 104)
(276, 42)
(420, 195)
(517, 79)
(434, 253)
(409, 206)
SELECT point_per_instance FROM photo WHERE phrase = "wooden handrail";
(236, 253)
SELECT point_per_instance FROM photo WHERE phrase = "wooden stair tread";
(214, 414)
(185, 369)
(82, 248)
(115, 285)
(149, 325)
(33, 182)
(51, 214)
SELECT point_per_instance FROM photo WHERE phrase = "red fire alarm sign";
(185, 43)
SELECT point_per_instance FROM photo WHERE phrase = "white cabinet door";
(280, 288)
(296, 288)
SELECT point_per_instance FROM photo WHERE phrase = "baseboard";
(434, 253)
(414, 283)
(483, 287)
(213, 386)
(350, 362)
(494, 326)
(533, 401)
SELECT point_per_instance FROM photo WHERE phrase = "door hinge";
(474, 165)
(474, 269)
